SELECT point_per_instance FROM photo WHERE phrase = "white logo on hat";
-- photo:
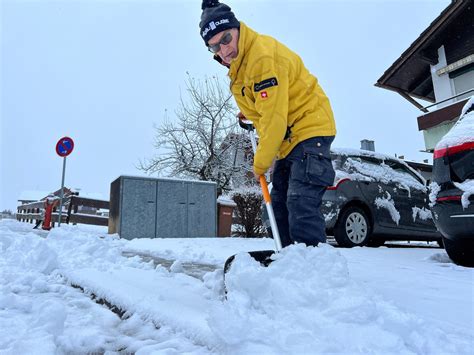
(213, 25)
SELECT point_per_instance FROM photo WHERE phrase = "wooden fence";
(33, 212)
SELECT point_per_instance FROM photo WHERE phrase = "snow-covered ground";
(398, 300)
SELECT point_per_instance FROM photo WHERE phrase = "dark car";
(376, 198)
(453, 188)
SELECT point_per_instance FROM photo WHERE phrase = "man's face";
(229, 51)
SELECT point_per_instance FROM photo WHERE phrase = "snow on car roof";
(365, 153)
(462, 131)
(380, 174)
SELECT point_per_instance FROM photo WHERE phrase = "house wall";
(442, 84)
(463, 83)
(445, 86)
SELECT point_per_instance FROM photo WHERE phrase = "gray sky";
(103, 72)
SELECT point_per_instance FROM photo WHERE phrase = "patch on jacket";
(265, 84)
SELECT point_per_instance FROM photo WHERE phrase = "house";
(438, 67)
(29, 196)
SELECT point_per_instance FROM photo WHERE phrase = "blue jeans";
(299, 183)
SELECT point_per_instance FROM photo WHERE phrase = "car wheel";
(352, 228)
(460, 251)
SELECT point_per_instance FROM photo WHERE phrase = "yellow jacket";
(275, 91)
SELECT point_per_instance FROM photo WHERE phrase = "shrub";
(248, 212)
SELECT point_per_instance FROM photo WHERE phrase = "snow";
(434, 190)
(421, 213)
(329, 216)
(384, 174)
(226, 201)
(32, 195)
(309, 300)
(381, 173)
(468, 106)
(365, 153)
(468, 189)
(388, 203)
(462, 131)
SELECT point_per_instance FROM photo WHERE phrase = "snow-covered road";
(310, 300)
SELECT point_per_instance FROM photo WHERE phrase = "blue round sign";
(64, 146)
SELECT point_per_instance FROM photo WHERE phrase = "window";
(402, 169)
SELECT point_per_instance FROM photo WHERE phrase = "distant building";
(29, 196)
(437, 67)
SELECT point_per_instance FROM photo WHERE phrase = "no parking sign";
(64, 147)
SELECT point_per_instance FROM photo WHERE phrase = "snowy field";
(168, 297)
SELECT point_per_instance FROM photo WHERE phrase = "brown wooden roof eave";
(408, 96)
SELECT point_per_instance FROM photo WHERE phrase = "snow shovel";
(262, 256)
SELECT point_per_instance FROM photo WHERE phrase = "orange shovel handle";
(266, 193)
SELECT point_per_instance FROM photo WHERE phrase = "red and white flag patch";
(264, 95)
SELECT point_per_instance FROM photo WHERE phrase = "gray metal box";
(142, 207)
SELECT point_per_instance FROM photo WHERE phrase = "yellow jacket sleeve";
(270, 90)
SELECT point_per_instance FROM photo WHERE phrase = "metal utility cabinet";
(142, 207)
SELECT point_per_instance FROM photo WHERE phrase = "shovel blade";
(262, 256)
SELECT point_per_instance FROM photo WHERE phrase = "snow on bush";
(389, 205)
(248, 211)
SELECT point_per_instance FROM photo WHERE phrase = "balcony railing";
(449, 98)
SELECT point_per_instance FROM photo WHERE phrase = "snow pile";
(440, 258)
(389, 205)
(421, 213)
(468, 189)
(306, 302)
(208, 250)
(42, 314)
(462, 131)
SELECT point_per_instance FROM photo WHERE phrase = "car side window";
(364, 168)
(400, 168)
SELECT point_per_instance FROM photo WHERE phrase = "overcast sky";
(104, 72)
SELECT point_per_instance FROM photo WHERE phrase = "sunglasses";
(226, 39)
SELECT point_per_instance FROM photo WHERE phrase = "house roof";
(410, 74)
(32, 195)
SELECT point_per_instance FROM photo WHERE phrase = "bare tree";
(202, 141)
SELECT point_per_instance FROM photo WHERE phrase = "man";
(292, 116)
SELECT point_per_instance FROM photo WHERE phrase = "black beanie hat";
(216, 18)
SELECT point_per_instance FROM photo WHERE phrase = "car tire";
(460, 251)
(352, 228)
